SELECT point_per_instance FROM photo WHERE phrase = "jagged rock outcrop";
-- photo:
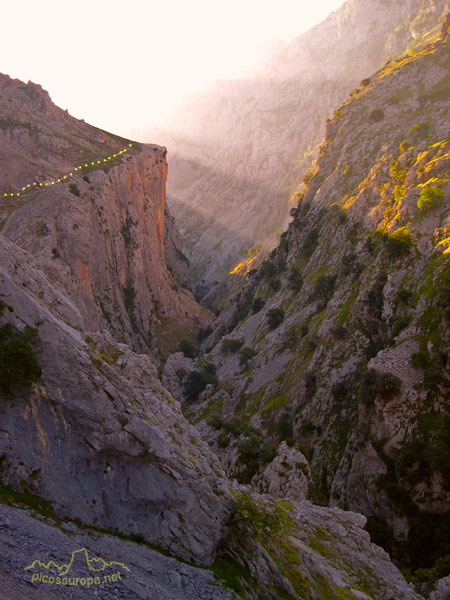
(298, 550)
(98, 436)
(348, 318)
(102, 233)
(286, 476)
(238, 152)
(175, 369)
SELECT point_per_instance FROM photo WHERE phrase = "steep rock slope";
(98, 443)
(238, 152)
(341, 338)
(97, 435)
(102, 232)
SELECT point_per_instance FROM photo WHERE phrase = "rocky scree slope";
(239, 151)
(339, 343)
(105, 234)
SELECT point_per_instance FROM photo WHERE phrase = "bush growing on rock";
(430, 197)
(253, 452)
(284, 428)
(339, 332)
(204, 333)
(324, 288)
(196, 381)
(376, 115)
(377, 383)
(399, 242)
(398, 324)
(223, 440)
(310, 384)
(231, 345)
(403, 296)
(339, 391)
(19, 365)
(295, 279)
(187, 348)
(243, 307)
(246, 354)
(275, 284)
(375, 296)
(275, 317)
(310, 243)
(268, 269)
(257, 305)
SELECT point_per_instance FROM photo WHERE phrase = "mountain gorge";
(89, 234)
(240, 151)
(91, 443)
(297, 446)
(338, 345)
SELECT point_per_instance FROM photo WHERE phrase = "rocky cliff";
(238, 152)
(97, 435)
(338, 344)
(90, 442)
(102, 233)
(93, 448)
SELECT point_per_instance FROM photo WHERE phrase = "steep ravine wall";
(342, 335)
(239, 151)
(101, 234)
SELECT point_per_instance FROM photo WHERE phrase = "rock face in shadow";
(98, 436)
(102, 232)
(238, 152)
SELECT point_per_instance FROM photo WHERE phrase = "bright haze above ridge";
(126, 66)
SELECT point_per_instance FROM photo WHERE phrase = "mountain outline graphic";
(95, 564)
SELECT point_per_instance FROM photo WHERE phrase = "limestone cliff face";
(238, 152)
(102, 233)
(348, 320)
(98, 436)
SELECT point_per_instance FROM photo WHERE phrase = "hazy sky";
(123, 65)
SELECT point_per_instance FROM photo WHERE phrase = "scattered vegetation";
(310, 243)
(128, 235)
(376, 383)
(323, 289)
(231, 345)
(204, 333)
(257, 305)
(275, 317)
(246, 354)
(129, 297)
(310, 384)
(196, 381)
(19, 364)
(295, 279)
(339, 332)
(399, 242)
(376, 115)
(430, 197)
(186, 348)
